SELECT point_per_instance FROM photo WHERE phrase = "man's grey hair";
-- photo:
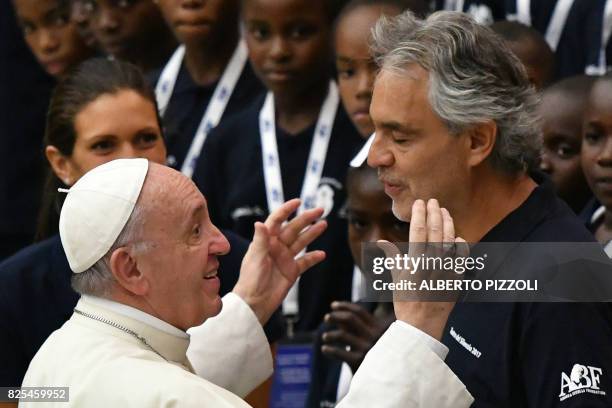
(473, 78)
(98, 280)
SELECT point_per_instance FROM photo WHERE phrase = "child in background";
(355, 66)
(51, 35)
(357, 325)
(597, 157)
(531, 48)
(131, 30)
(80, 14)
(207, 79)
(562, 111)
(302, 135)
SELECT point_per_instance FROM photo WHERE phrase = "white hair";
(473, 78)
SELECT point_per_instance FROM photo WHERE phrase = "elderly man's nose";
(379, 156)
(219, 245)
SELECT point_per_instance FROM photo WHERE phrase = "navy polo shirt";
(528, 351)
(484, 11)
(188, 104)
(36, 299)
(579, 35)
(230, 175)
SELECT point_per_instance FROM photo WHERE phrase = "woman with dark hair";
(101, 111)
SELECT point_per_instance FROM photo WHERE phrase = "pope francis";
(150, 329)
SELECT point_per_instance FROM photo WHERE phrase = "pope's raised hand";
(272, 265)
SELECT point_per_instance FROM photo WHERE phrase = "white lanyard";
(314, 167)
(606, 29)
(454, 5)
(557, 20)
(216, 106)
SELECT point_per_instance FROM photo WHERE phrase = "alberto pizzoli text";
(501, 285)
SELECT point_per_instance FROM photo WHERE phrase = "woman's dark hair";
(81, 86)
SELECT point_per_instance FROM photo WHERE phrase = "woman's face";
(51, 35)
(113, 126)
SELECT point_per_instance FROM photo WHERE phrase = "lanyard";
(557, 20)
(216, 106)
(606, 29)
(314, 167)
(454, 5)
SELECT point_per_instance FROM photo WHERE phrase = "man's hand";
(356, 328)
(432, 233)
(269, 268)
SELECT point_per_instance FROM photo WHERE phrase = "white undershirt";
(135, 314)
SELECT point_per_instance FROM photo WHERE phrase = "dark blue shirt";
(188, 104)
(527, 349)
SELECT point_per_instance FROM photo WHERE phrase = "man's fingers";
(291, 230)
(462, 248)
(305, 238)
(449, 227)
(434, 222)
(276, 219)
(418, 229)
(308, 260)
(260, 242)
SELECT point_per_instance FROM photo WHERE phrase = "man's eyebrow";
(397, 126)
(197, 211)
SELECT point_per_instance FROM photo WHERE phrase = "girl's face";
(50, 34)
(356, 69)
(289, 42)
(597, 142)
(369, 213)
(196, 21)
(113, 126)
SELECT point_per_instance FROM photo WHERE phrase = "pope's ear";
(482, 139)
(125, 270)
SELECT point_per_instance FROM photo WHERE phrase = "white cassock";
(98, 355)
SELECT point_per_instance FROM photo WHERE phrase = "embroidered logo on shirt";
(582, 379)
(473, 350)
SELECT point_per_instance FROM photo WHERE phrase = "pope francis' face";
(181, 246)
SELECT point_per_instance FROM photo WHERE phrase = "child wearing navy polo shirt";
(295, 141)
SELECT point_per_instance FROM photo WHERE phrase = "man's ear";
(61, 165)
(125, 270)
(482, 139)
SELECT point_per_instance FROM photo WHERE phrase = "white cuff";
(434, 345)
(231, 349)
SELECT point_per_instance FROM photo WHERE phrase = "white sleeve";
(403, 370)
(231, 349)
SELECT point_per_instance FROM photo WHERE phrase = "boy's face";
(529, 54)
(356, 69)
(195, 21)
(562, 130)
(289, 42)
(370, 215)
(126, 29)
(597, 142)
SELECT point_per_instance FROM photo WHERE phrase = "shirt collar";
(135, 314)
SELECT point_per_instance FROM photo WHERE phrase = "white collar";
(135, 314)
